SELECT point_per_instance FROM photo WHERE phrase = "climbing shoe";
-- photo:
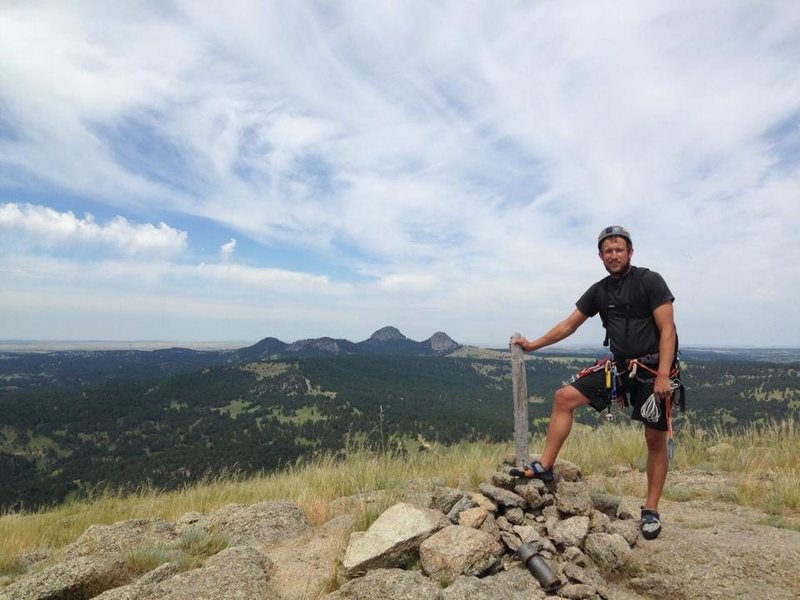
(650, 524)
(534, 470)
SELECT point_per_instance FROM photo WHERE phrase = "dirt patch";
(305, 566)
(716, 550)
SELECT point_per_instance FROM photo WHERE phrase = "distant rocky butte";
(387, 333)
(387, 340)
(442, 343)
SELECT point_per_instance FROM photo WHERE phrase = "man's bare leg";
(656, 466)
(565, 401)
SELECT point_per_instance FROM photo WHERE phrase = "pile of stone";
(464, 544)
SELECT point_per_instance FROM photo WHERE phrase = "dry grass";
(312, 484)
(764, 456)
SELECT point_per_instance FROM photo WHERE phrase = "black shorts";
(634, 391)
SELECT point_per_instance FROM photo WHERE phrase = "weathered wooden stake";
(520, 387)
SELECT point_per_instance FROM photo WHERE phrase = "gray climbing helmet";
(613, 230)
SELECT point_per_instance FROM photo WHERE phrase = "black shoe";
(650, 524)
(534, 470)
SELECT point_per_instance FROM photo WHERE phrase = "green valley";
(71, 438)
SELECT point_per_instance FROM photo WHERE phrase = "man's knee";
(568, 398)
(655, 439)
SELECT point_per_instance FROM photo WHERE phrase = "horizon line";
(10, 343)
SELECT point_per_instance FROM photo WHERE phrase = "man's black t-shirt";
(632, 332)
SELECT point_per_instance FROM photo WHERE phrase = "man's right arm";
(560, 331)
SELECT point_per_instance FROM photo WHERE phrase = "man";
(635, 305)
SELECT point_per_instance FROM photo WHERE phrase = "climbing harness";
(651, 409)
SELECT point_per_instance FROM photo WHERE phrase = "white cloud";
(276, 279)
(227, 249)
(44, 226)
(419, 148)
(408, 282)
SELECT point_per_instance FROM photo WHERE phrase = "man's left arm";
(665, 322)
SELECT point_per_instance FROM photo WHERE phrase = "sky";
(227, 171)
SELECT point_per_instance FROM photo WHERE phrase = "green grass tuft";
(196, 546)
(192, 550)
(146, 558)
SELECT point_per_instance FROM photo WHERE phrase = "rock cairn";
(463, 544)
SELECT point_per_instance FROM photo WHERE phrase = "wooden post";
(520, 387)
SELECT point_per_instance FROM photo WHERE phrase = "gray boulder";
(575, 556)
(490, 526)
(605, 502)
(572, 498)
(473, 517)
(571, 532)
(501, 496)
(627, 528)
(445, 498)
(628, 510)
(503, 480)
(567, 471)
(465, 503)
(159, 574)
(504, 524)
(79, 577)
(511, 540)
(578, 591)
(609, 550)
(232, 574)
(121, 537)
(483, 501)
(420, 491)
(393, 539)
(245, 524)
(532, 494)
(457, 550)
(527, 533)
(388, 584)
(598, 521)
(513, 584)
(515, 516)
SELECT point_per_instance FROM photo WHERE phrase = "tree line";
(62, 441)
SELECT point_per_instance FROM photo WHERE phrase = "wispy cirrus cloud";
(277, 280)
(398, 144)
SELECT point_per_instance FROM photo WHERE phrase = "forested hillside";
(59, 440)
